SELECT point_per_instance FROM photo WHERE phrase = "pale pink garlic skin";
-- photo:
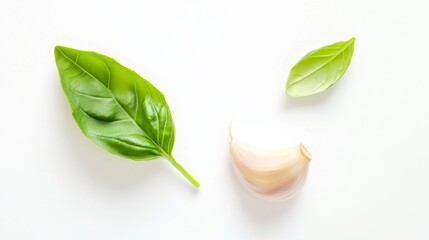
(271, 174)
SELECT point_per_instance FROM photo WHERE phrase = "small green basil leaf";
(320, 69)
(116, 108)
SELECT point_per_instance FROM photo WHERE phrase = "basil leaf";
(116, 108)
(320, 69)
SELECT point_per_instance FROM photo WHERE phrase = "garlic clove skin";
(271, 174)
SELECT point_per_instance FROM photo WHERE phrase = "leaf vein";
(137, 96)
(323, 65)
(88, 95)
(113, 97)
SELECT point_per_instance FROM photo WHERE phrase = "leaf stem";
(182, 171)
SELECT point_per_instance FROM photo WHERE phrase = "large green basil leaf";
(116, 108)
(320, 69)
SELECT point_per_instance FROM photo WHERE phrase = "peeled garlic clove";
(271, 174)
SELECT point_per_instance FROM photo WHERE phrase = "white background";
(369, 178)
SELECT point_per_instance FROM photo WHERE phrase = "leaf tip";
(62, 51)
(291, 90)
(57, 51)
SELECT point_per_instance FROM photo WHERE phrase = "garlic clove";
(271, 174)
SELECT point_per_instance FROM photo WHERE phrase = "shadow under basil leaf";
(312, 100)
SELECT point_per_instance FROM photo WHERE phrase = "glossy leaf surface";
(320, 69)
(115, 107)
